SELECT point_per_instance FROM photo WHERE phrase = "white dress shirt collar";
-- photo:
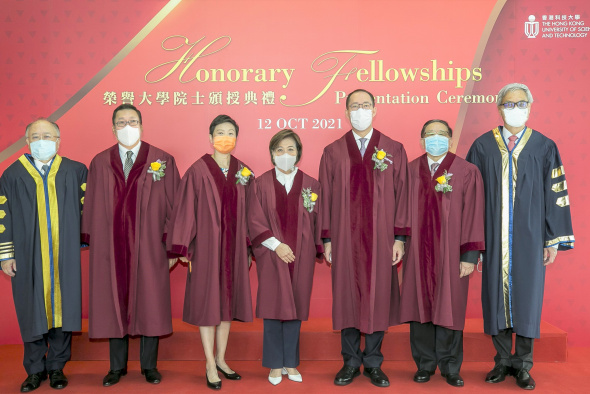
(39, 164)
(507, 134)
(431, 162)
(123, 152)
(286, 179)
(357, 138)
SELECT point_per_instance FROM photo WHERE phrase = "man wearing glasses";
(365, 218)
(41, 197)
(447, 237)
(128, 206)
(527, 221)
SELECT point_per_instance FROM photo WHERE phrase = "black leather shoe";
(377, 376)
(454, 379)
(33, 381)
(422, 376)
(214, 386)
(230, 376)
(57, 379)
(498, 374)
(152, 375)
(524, 380)
(113, 377)
(346, 375)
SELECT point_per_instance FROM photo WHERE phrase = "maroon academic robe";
(284, 290)
(210, 230)
(125, 224)
(444, 226)
(363, 209)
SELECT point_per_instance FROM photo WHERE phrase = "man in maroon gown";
(447, 237)
(365, 218)
(129, 201)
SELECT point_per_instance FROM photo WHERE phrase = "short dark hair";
(357, 91)
(281, 135)
(126, 106)
(219, 119)
(436, 121)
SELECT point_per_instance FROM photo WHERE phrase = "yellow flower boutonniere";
(243, 175)
(380, 158)
(157, 169)
(309, 199)
(443, 183)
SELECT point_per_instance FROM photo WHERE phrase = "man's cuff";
(470, 256)
(400, 238)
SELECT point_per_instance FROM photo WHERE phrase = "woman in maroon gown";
(209, 233)
(283, 223)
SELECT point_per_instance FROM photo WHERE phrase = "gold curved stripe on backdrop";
(483, 42)
(151, 25)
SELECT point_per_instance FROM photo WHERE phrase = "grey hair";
(511, 87)
(55, 126)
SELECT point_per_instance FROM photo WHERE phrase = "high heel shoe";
(230, 376)
(275, 381)
(215, 385)
(294, 378)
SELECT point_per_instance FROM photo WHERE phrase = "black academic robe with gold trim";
(40, 229)
(527, 209)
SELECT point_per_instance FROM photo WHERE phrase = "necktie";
(511, 142)
(363, 147)
(433, 168)
(128, 164)
(45, 168)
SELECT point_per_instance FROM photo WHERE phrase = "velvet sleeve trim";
(179, 250)
(261, 238)
(401, 230)
(472, 246)
(326, 234)
(319, 251)
(85, 238)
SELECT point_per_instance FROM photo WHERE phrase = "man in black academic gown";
(41, 197)
(527, 221)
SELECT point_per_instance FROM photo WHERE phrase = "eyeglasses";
(355, 106)
(433, 133)
(45, 137)
(123, 123)
(510, 105)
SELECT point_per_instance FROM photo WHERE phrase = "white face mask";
(285, 162)
(128, 135)
(43, 150)
(361, 119)
(516, 117)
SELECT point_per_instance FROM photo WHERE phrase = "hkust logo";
(531, 28)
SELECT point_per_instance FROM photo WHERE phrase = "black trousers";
(523, 350)
(371, 357)
(119, 351)
(434, 345)
(56, 344)
(280, 346)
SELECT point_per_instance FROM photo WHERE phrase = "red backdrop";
(281, 64)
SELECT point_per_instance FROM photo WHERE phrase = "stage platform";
(318, 343)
